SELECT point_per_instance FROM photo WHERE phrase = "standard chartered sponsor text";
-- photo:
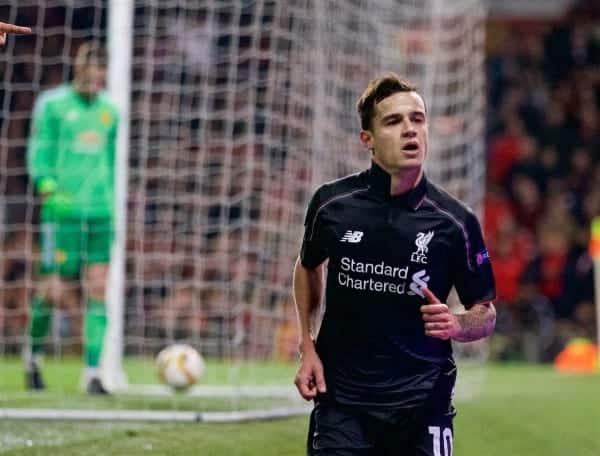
(348, 265)
(382, 269)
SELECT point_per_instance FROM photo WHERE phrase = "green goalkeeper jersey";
(71, 153)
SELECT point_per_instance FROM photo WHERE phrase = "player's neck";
(85, 96)
(404, 181)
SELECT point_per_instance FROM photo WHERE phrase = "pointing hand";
(11, 28)
(439, 321)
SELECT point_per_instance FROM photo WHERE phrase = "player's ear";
(366, 138)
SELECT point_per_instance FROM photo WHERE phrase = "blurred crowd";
(208, 190)
(543, 186)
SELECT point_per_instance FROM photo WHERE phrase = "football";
(179, 366)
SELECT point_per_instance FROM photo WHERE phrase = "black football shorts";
(341, 430)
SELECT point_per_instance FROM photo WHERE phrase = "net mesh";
(239, 110)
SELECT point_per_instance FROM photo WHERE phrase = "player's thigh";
(51, 287)
(437, 435)
(95, 278)
(60, 244)
(98, 237)
(335, 430)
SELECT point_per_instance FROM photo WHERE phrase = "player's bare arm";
(11, 28)
(477, 322)
(308, 292)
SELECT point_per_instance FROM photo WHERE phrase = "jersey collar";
(379, 183)
(81, 99)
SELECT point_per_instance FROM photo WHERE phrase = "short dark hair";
(377, 90)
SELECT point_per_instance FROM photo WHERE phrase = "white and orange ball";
(180, 366)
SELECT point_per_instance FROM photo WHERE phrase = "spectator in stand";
(505, 149)
(527, 325)
(527, 201)
(556, 132)
(549, 163)
(577, 279)
(497, 211)
(581, 168)
(511, 254)
(549, 265)
(527, 163)
(547, 88)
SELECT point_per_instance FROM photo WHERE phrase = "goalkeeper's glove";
(46, 186)
(55, 203)
(58, 205)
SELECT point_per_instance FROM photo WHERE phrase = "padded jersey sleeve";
(473, 276)
(313, 251)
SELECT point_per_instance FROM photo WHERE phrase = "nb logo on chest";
(353, 237)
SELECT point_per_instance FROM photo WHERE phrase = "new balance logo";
(352, 236)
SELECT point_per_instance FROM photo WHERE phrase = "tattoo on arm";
(476, 323)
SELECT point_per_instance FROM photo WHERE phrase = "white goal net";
(239, 109)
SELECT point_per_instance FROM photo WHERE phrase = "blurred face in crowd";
(90, 78)
(399, 134)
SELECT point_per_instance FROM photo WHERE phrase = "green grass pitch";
(521, 410)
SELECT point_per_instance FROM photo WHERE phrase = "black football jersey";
(381, 251)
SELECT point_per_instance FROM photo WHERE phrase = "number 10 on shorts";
(438, 435)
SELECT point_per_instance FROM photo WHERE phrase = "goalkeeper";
(71, 163)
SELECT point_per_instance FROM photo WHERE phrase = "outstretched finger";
(16, 29)
(431, 298)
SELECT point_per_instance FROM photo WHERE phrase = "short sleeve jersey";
(382, 250)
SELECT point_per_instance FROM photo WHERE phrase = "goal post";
(232, 113)
(120, 41)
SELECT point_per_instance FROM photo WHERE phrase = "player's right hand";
(310, 379)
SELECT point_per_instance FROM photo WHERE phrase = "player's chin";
(410, 163)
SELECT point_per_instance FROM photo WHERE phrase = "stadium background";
(542, 187)
(542, 183)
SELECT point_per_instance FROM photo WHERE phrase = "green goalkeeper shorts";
(67, 245)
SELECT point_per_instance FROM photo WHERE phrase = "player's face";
(399, 132)
(91, 79)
